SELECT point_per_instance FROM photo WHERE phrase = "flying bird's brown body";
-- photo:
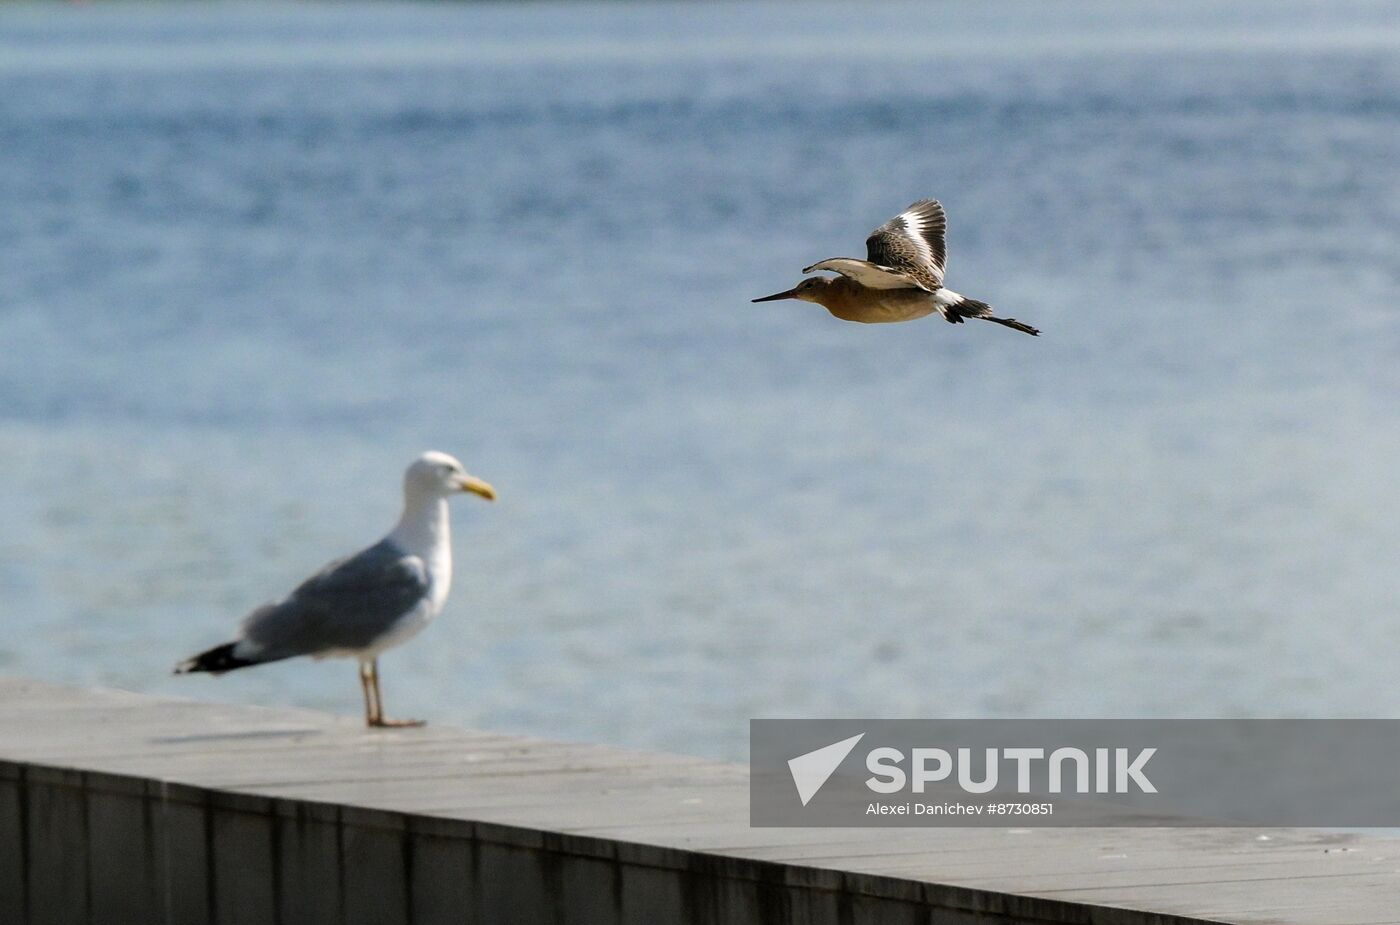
(850, 301)
(901, 280)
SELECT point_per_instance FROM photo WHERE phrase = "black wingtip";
(971, 308)
(215, 661)
(1017, 325)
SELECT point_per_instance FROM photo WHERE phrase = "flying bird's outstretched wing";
(906, 252)
(912, 244)
(866, 273)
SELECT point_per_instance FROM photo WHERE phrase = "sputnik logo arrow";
(811, 771)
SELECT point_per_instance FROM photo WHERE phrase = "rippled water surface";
(255, 258)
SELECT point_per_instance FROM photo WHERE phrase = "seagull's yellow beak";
(477, 487)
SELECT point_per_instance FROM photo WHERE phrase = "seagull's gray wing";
(912, 243)
(347, 605)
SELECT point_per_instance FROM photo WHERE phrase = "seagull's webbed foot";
(374, 700)
(380, 722)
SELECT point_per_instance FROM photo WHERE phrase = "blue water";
(254, 258)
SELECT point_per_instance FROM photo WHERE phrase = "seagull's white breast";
(423, 532)
(439, 564)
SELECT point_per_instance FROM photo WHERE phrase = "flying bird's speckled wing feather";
(865, 273)
(912, 244)
(348, 605)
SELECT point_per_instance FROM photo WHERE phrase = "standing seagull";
(361, 605)
(901, 280)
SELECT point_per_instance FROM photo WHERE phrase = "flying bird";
(901, 278)
(359, 606)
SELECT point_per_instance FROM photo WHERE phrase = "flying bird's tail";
(215, 661)
(971, 308)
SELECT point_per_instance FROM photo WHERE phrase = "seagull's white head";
(440, 475)
(809, 290)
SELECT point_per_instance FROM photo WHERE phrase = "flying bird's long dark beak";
(777, 295)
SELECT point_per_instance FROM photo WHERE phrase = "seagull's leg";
(379, 719)
(372, 713)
